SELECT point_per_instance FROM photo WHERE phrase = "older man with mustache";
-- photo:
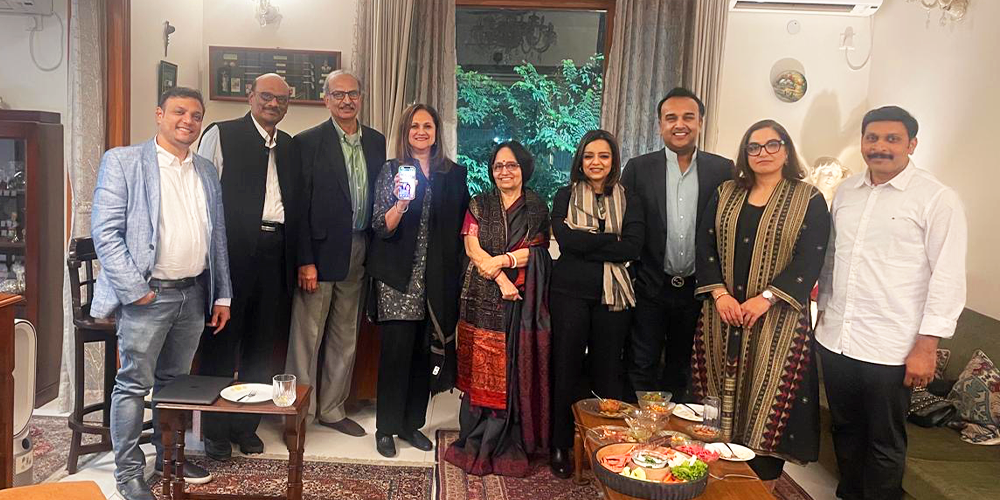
(259, 182)
(892, 285)
(340, 160)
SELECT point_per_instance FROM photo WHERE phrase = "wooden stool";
(86, 330)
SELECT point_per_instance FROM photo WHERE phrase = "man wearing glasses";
(258, 174)
(340, 160)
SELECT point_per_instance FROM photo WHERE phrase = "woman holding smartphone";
(415, 260)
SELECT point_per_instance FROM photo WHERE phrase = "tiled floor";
(322, 442)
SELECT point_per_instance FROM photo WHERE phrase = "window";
(531, 74)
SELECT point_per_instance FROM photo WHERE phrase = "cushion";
(935, 480)
(976, 395)
(941, 363)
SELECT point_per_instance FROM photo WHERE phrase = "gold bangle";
(719, 296)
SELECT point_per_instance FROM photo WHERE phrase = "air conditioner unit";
(26, 7)
(834, 7)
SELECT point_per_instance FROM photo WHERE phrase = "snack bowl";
(651, 488)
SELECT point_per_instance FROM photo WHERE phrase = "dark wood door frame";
(118, 67)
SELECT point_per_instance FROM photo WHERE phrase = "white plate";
(739, 452)
(682, 411)
(235, 392)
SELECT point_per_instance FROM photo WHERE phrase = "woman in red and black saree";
(760, 249)
(503, 329)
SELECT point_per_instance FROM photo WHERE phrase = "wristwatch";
(769, 296)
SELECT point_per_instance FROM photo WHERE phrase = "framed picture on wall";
(166, 77)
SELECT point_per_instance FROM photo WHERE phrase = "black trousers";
(260, 314)
(587, 340)
(868, 405)
(404, 377)
(666, 321)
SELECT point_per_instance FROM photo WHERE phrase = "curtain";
(84, 144)
(706, 47)
(432, 72)
(658, 45)
(380, 58)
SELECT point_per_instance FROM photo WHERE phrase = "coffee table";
(725, 489)
(173, 420)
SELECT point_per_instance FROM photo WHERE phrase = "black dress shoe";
(560, 463)
(218, 450)
(135, 489)
(385, 445)
(192, 473)
(249, 443)
(418, 440)
(346, 426)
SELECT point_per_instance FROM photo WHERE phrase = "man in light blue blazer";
(160, 234)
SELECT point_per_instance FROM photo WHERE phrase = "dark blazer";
(327, 213)
(646, 177)
(244, 182)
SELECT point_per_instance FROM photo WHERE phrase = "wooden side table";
(173, 420)
(732, 489)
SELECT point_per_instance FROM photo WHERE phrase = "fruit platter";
(649, 471)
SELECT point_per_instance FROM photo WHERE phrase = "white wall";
(947, 77)
(22, 84)
(306, 24)
(827, 121)
(147, 50)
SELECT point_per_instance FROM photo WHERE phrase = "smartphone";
(407, 182)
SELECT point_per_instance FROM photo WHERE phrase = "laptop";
(192, 389)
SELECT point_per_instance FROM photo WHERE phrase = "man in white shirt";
(892, 286)
(258, 174)
(160, 235)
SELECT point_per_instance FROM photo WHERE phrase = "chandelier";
(511, 30)
(951, 10)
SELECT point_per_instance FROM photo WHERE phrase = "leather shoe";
(135, 489)
(385, 445)
(192, 473)
(560, 463)
(418, 440)
(346, 426)
(249, 443)
(218, 450)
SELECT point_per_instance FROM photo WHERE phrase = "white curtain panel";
(84, 145)
(704, 67)
(381, 54)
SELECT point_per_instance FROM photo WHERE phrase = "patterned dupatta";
(757, 371)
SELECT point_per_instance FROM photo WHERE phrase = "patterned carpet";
(455, 484)
(51, 437)
(323, 480)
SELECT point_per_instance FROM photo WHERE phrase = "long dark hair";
(523, 157)
(792, 169)
(576, 170)
(404, 151)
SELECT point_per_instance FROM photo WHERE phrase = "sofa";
(939, 465)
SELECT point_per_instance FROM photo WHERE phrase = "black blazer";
(244, 182)
(646, 177)
(327, 213)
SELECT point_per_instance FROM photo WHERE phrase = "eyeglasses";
(772, 146)
(267, 97)
(510, 166)
(338, 95)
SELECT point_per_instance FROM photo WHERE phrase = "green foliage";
(546, 113)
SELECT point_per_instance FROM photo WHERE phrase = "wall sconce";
(167, 31)
(265, 13)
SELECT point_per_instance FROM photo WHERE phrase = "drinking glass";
(712, 413)
(283, 390)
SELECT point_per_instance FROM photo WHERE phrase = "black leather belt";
(271, 227)
(181, 283)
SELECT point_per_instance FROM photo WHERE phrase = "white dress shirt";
(895, 266)
(183, 226)
(211, 148)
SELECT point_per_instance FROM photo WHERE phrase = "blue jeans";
(156, 343)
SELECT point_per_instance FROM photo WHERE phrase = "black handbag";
(928, 410)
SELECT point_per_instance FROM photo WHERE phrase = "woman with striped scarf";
(599, 228)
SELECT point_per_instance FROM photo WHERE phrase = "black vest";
(244, 183)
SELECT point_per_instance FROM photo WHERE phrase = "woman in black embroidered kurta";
(760, 250)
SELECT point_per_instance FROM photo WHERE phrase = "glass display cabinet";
(32, 232)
